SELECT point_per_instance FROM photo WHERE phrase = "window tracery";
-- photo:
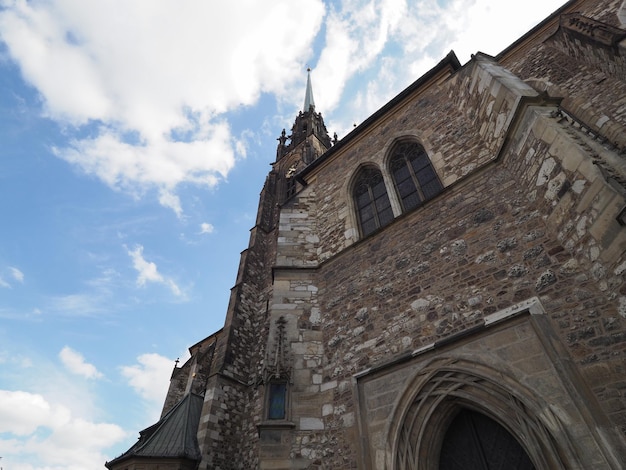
(413, 175)
(371, 200)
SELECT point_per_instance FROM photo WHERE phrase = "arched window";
(371, 200)
(413, 175)
(290, 191)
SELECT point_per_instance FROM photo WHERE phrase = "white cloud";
(171, 200)
(75, 363)
(100, 296)
(16, 274)
(148, 272)
(94, 299)
(375, 48)
(356, 34)
(49, 420)
(154, 91)
(21, 413)
(148, 105)
(83, 304)
(150, 377)
(206, 227)
(485, 25)
(38, 434)
(16, 360)
(157, 162)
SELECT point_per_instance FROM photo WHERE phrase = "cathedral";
(444, 288)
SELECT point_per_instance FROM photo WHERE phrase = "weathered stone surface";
(512, 277)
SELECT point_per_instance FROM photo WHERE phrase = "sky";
(135, 136)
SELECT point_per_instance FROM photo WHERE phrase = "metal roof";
(174, 436)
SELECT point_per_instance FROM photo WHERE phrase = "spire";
(308, 128)
(308, 96)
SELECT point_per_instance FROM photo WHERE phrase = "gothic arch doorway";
(433, 418)
(474, 441)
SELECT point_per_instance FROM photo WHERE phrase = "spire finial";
(308, 96)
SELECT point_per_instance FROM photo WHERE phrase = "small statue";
(282, 139)
(280, 150)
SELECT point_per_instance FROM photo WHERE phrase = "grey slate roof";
(174, 436)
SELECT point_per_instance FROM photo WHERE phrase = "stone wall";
(536, 395)
(587, 75)
(514, 231)
(444, 121)
(529, 215)
(223, 431)
(227, 434)
(513, 277)
(528, 150)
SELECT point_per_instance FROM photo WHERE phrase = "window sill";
(276, 424)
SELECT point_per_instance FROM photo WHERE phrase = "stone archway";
(449, 387)
(474, 441)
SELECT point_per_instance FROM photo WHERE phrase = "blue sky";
(135, 137)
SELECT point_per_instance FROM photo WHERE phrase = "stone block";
(311, 424)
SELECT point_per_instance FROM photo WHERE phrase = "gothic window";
(277, 375)
(277, 400)
(291, 188)
(371, 200)
(413, 175)
(291, 181)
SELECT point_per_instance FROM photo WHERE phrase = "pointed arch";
(449, 386)
(414, 177)
(371, 201)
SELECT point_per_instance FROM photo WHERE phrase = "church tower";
(307, 141)
(250, 380)
(445, 288)
(245, 372)
(290, 369)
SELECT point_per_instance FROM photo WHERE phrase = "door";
(475, 442)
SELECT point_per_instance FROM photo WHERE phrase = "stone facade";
(505, 294)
